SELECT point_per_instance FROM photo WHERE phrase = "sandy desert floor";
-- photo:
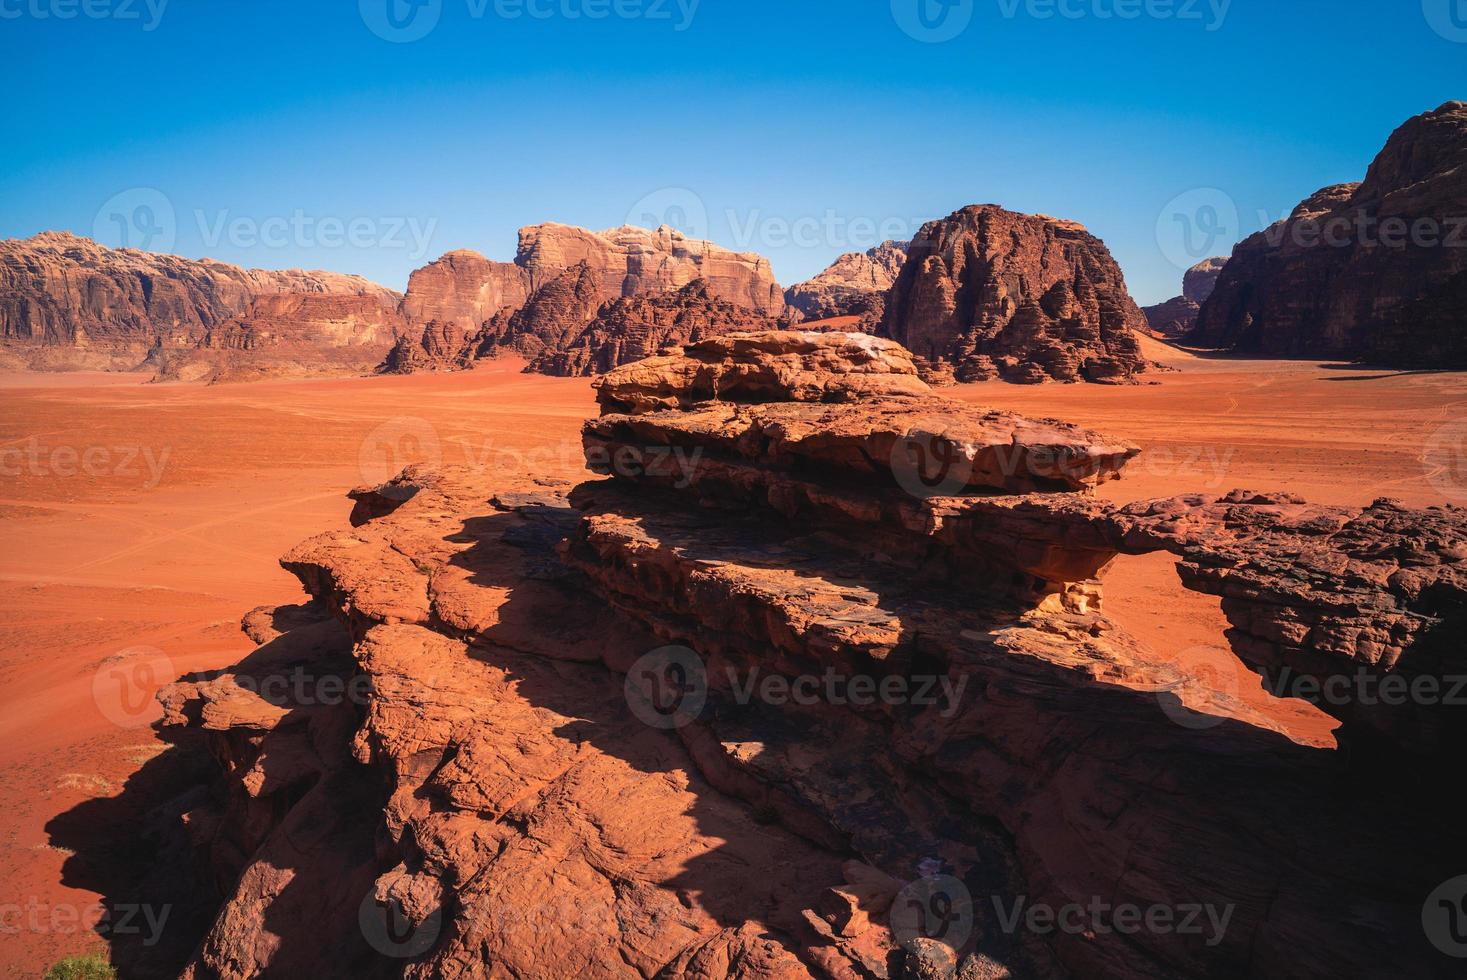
(151, 516)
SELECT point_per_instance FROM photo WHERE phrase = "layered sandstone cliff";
(543, 303)
(1025, 298)
(854, 285)
(581, 741)
(1178, 315)
(1376, 270)
(627, 330)
(65, 300)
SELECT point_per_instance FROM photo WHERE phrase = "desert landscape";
(538, 490)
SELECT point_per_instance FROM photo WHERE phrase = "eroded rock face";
(1025, 298)
(854, 285)
(65, 297)
(1374, 270)
(632, 329)
(531, 788)
(1177, 316)
(546, 303)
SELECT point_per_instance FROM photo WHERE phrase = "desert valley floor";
(170, 529)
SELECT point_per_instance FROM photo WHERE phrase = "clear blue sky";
(287, 134)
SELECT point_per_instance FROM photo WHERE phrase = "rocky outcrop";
(65, 300)
(545, 304)
(1177, 316)
(1024, 298)
(854, 285)
(761, 704)
(1376, 270)
(629, 330)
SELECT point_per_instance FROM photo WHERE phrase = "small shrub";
(89, 967)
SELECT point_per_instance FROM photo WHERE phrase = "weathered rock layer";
(813, 685)
(1025, 298)
(1376, 270)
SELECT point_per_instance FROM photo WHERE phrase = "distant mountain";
(1375, 270)
(1178, 315)
(854, 285)
(66, 302)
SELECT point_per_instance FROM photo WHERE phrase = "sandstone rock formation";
(854, 285)
(543, 304)
(578, 742)
(67, 301)
(631, 329)
(1376, 270)
(1025, 298)
(1178, 315)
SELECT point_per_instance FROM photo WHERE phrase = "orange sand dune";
(152, 516)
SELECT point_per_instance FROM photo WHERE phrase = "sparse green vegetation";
(92, 966)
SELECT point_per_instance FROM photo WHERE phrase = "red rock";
(629, 330)
(1178, 315)
(854, 285)
(1028, 298)
(1325, 283)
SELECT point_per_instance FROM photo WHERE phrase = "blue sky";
(327, 135)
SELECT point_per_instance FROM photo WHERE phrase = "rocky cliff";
(67, 301)
(854, 285)
(817, 682)
(1178, 315)
(627, 330)
(1376, 270)
(1025, 298)
(544, 302)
